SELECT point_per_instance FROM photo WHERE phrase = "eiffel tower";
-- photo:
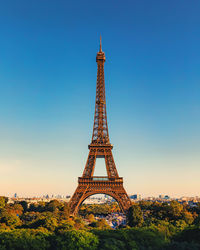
(100, 147)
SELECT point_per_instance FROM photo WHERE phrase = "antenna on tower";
(100, 50)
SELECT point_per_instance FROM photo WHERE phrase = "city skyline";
(48, 83)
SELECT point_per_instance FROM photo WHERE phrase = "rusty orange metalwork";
(100, 147)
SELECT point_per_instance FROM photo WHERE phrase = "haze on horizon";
(47, 94)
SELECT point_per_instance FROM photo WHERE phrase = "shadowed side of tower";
(100, 147)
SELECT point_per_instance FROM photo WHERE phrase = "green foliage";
(188, 239)
(53, 206)
(187, 217)
(103, 209)
(180, 225)
(175, 210)
(171, 212)
(189, 235)
(112, 239)
(45, 219)
(17, 209)
(135, 216)
(65, 211)
(135, 238)
(100, 224)
(76, 240)
(10, 219)
(114, 244)
(23, 239)
(79, 224)
(90, 217)
(3, 201)
(66, 225)
(164, 227)
(24, 205)
(37, 207)
(145, 238)
(183, 246)
(197, 221)
(48, 225)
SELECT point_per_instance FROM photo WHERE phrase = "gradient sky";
(47, 93)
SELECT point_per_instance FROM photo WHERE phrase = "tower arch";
(86, 196)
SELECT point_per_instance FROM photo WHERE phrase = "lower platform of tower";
(99, 185)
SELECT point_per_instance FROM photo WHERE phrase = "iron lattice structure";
(100, 147)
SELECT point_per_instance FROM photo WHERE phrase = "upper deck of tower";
(100, 54)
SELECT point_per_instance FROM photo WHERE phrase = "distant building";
(58, 196)
(163, 197)
(135, 197)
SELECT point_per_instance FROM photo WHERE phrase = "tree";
(53, 206)
(79, 224)
(24, 239)
(24, 204)
(74, 239)
(66, 224)
(183, 246)
(188, 217)
(114, 244)
(91, 217)
(145, 238)
(103, 209)
(10, 219)
(65, 211)
(189, 235)
(197, 221)
(175, 210)
(3, 201)
(45, 219)
(102, 224)
(50, 223)
(135, 216)
(37, 207)
(180, 225)
(17, 209)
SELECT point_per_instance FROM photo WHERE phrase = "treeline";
(48, 225)
(132, 238)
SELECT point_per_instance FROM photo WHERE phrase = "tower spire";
(100, 49)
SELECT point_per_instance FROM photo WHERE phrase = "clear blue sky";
(47, 93)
